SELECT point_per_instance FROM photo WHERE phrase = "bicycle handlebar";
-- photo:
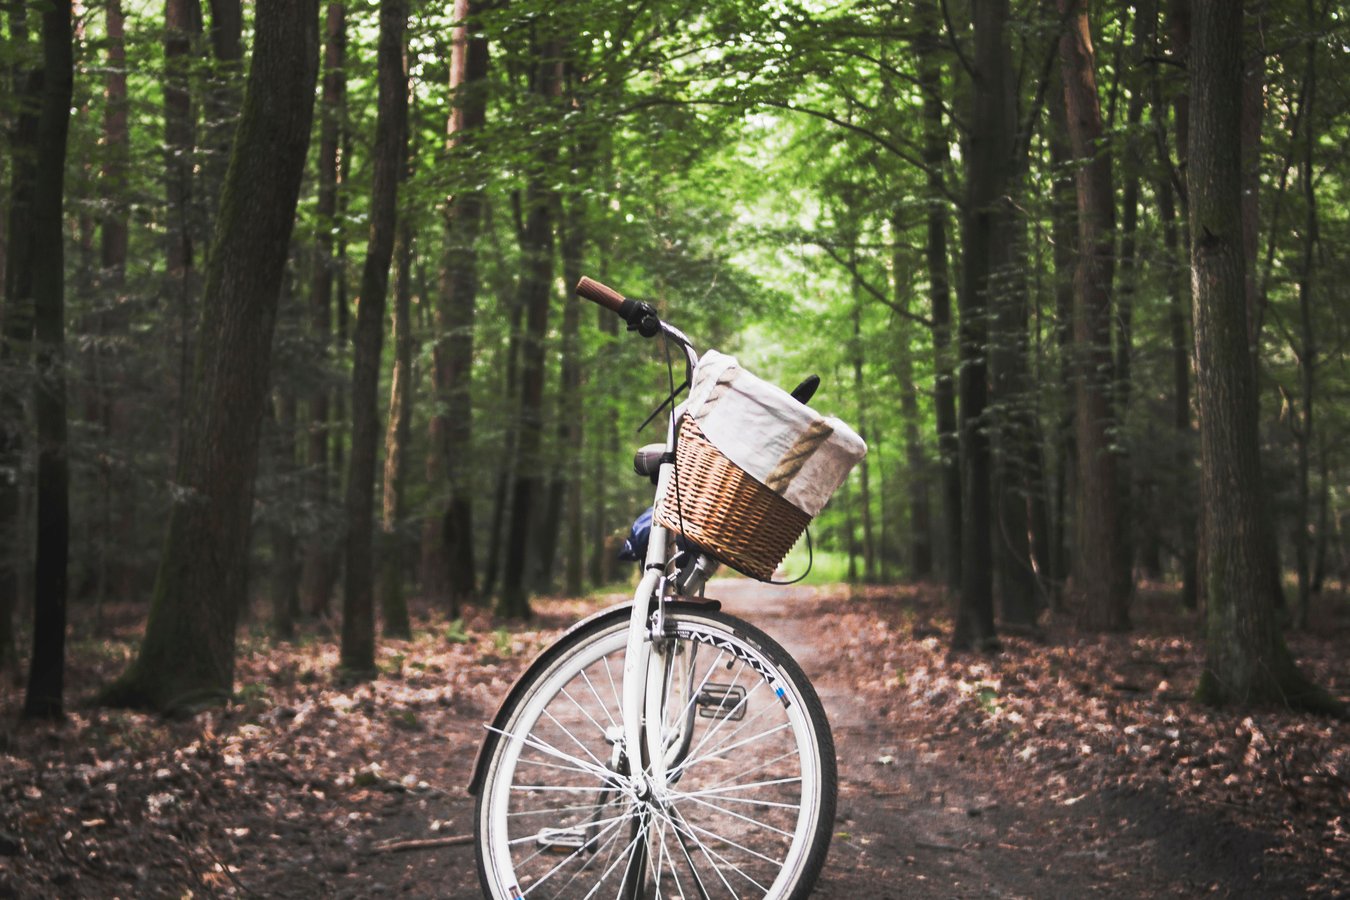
(602, 294)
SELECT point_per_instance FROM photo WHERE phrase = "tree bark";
(1306, 352)
(187, 656)
(46, 671)
(393, 601)
(537, 247)
(1246, 660)
(571, 428)
(935, 157)
(182, 32)
(917, 472)
(358, 606)
(990, 151)
(16, 335)
(319, 570)
(1101, 576)
(449, 572)
(285, 573)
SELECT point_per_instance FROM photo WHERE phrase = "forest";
(294, 384)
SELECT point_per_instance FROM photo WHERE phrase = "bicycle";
(663, 748)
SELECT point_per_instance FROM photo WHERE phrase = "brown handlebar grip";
(599, 293)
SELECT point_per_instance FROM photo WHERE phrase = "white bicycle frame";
(643, 672)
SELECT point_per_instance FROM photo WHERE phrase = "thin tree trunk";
(187, 656)
(449, 573)
(1246, 660)
(182, 33)
(16, 335)
(1101, 576)
(1063, 206)
(220, 100)
(46, 670)
(393, 602)
(920, 524)
(320, 564)
(1306, 353)
(285, 573)
(990, 149)
(869, 551)
(537, 248)
(358, 606)
(571, 430)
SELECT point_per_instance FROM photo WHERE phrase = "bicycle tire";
(553, 823)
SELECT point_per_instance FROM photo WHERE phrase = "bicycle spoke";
(598, 727)
(599, 702)
(720, 789)
(753, 769)
(707, 735)
(571, 856)
(730, 843)
(535, 743)
(720, 751)
(709, 854)
(567, 731)
(736, 815)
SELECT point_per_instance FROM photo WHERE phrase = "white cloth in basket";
(787, 446)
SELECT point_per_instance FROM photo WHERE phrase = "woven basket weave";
(725, 511)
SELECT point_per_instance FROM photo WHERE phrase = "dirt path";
(1047, 770)
(920, 814)
(927, 815)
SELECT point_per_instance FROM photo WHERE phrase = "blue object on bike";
(635, 548)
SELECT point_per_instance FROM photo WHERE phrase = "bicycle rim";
(750, 805)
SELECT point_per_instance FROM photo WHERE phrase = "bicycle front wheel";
(746, 809)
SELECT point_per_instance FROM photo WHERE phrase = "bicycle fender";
(545, 659)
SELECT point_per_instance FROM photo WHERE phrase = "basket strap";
(796, 456)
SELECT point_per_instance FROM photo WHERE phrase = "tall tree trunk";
(319, 572)
(393, 602)
(187, 656)
(536, 279)
(940, 302)
(182, 32)
(285, 573)
(16, 335)
(1306, 353)
(1063, 210)
(1178, 329)
(116, 140)
(1101, 575)
(220, 100)
(1246, 660)
(358, 606)
(448, 568)
(920, 524)
(571, 428)
(990, 151)
(869, 551)
(46, 670)
(1127, 275)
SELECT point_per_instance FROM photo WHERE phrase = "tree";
(536, 236)
(358, 606)
(448, 536)
(187, 655)
(1246, 660)
(46, 671)
(319, 570)
(16, 330)
(1101, 574)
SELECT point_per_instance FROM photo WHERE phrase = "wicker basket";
(725, 511)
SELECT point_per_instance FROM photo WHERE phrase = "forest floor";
(1062, 766)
